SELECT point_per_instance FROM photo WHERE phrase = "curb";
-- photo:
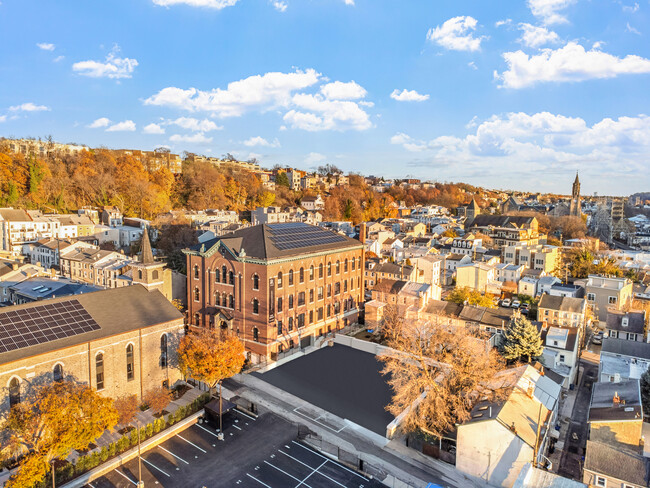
(132, 453)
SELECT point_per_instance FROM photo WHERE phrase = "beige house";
(541, 257)
(603, 292)
(475, 276)
(120, 342)
(562, 311)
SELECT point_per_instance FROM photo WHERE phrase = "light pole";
(140, 482)
(53, 475)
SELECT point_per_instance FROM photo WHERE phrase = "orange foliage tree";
(51, 422)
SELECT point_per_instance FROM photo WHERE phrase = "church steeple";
(147, 254)
(575, 193)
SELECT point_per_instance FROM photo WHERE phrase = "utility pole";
(140, 482)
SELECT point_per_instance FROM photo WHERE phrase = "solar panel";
(43, 323)
(296, 235)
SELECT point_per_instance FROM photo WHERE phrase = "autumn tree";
(157, 399)
(437, 372)
(53, 420)
(392, 323)
(126, 407)
(471, 297)
(521, 341)
(211, 356)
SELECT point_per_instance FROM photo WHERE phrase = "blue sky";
(508, 94)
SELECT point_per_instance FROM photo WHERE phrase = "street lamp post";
(53, 475)
(140, 482)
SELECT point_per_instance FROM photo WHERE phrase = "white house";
(312, 203)
(527, 286)
(561, 352)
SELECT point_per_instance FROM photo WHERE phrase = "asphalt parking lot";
(259, 453)
(341, 380)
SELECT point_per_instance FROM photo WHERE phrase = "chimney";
(363, 232)
(616, 400)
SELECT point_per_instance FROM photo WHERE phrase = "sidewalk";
(407, 466)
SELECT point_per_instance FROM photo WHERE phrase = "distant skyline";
(509, 95)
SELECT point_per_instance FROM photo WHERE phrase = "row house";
(96, 266)
(562, 311)
(277, 286)
(605, 292)
(542, 257)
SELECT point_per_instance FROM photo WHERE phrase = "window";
(300, 319)
(154, 274)
(197, 294)
(329, 290)
(224, 300)
(320, 313)
(139, 274)
(217, 276)
(57, 374)
(561, 358)
(338, 267)
(320, 270)
(196, 271)
(353, 264)
(359, 262)
(231, 301)
(290, 324)
(612, 300)
(99, 371)
(301, 298)
(337, 288)
(197, 319)
(14, 392)
(224, 274)
(163, 350)
(320, 292)
(302, 275)
(345, 265)
(311, 296)
(256, 306)
(231, 278)
(279, 327)
(600, 481)
(280, 279)
(337, 307)
(311, 273)
(256, 334)
(345, 287)
(290, 277)
(217, 298)
(591, 297)
(129, 363)
(329, 269)
(290, 302)
(256, 282)
(279, 304)
(329, 310)
(311, 316)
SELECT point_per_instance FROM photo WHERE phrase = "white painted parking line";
(192, 444)
(120, 472)
(244, 414)
(260, 482)
(333, 462)
(91, 486)
(156, 467)
(310, 467)
(172, 454)
(282, 471)
(238, 428)
(316, 420)
(315, 470)
(209, 432)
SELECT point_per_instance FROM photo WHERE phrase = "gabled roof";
(501, 221)
(14, 215)
(276, 241)
(633, 349)
(635, 321)
(562, 304)
(615, 401)
(389, 286)
(616, 462)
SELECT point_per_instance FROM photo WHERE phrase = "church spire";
(575, 193)
(147, 255)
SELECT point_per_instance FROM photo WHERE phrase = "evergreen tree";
(645, 392)
(521, 341)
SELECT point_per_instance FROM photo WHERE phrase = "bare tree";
(437, 373)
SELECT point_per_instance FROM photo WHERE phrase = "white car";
(505, 302)
(515, 304)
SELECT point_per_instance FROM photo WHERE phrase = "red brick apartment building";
(278, 286)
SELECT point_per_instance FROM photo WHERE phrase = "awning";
(212, 406)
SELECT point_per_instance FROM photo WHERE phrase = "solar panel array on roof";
(294, 235)
(43, 323)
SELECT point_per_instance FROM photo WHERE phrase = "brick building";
(279, 286)
(120, 342)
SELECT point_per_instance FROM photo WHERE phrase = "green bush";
(149, 430)
(112, 449)
(122, 444)
(103, 454)
(170, 419)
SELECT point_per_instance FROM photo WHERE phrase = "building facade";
(278, 286)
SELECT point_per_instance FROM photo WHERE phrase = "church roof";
(147, 254)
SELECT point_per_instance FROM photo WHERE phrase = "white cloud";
(46, 46)
(324, 114)
(569, 63)
(500, 23)
(548, 11)
(408, 142)
(260, 141)
(29, 107)
(349, 2)
(113, 67)
(255, 92)
(339, 90)
(472, 65)
(631, 8)
(3, 118)
(314, 157)
(195, 125)
(631, 29)
(153, 129)
(408, 96)
(58, 58)
(456, 34)
(215, 4)
(279, 5)
(100, 122)
(124, 126)
(534, 36)
(197, 138)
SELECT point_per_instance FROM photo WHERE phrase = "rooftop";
(563, 304)
(632, 321)
(615, 401)
(616, 462)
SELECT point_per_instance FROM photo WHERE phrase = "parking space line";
(260, 482)
(314, 471)
(120, 472)
(238, 428)
(331, 461)
(244, 414)
(289, 475)
(211, 433)
(316, 420)
(192, 444)
(155, 467)
(172, 454)
(295, 459)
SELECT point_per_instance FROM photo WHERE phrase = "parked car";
(525, 308)
(505, 302)
(597, 338)
(515, 303)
